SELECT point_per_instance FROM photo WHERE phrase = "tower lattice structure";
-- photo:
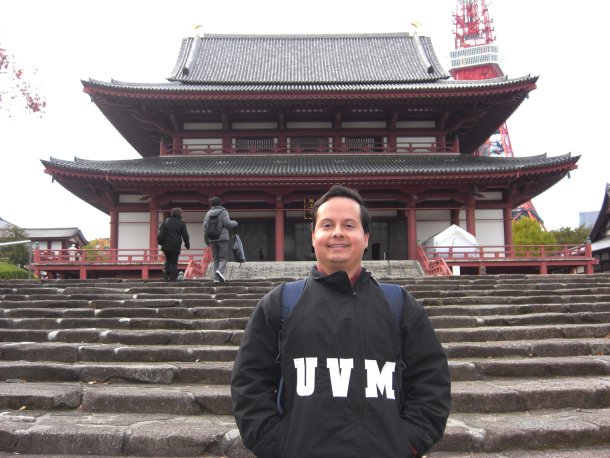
(476, 57)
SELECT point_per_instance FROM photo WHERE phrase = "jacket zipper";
(358, 318)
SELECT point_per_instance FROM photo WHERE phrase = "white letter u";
(306, 375)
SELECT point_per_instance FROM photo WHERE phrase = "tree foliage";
(527, 231)
(15, 87)
(18, 255)
(96, 249)
(570, 236)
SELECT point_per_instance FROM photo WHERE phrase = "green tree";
(570, 236)
(527, 231)
(18, 255)
(96, 250)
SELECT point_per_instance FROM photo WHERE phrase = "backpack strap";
(393, 294)
(290, 295)
(291, 291)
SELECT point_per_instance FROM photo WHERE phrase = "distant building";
(587, 219)
(600, 235)
(57, 238)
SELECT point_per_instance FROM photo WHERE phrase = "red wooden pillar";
(455, 216)
(411, 232)
(114, 229)
(279, 229)
(589, 254)
(162, 147)
(152, 232)
(470, 217)
(508, 226)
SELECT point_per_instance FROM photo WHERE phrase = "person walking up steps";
(216, 226)
(171, 235)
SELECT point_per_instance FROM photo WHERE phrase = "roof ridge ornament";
(421, 55)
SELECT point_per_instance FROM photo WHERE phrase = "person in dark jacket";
(220, 245)
(355, 382)
(171, 243)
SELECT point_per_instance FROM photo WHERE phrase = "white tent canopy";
(452, 237)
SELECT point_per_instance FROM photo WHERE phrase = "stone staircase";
(136, 368)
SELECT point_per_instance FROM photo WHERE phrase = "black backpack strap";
(291, 292)
(393, 294)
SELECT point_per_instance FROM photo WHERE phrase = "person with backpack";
(216, 226)
(350, 367)
(170, 236)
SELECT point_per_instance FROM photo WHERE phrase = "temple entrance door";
(378, 242)
(257, 238)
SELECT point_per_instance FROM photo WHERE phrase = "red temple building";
(269, 122)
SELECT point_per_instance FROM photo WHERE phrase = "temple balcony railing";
(438, 260)
(546, 258)
(343, 148)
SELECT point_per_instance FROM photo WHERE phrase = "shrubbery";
(10, 271)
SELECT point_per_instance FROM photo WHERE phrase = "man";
(218, 216)
(354, 382)
(171, 235)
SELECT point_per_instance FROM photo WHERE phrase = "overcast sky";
(563, 42)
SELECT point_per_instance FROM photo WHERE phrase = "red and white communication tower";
(476, 57)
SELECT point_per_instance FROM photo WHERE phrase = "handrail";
(198, 270)
(516, 252)
(343, 148)
(433, 266)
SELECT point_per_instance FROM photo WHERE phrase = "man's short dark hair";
(342, 191)
(176, 212)
(215, 201)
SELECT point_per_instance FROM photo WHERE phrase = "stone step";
(514, 292)
(486, 396)
(526, 431)
(125, 336)
(233, 336)
(117, 434)
(512, 333)
(218, 312)
(482, 368)
(588, 452)
(82, 352)
(532, 319)
(124, 323)
(204, 372)
(528, 348)
(519, 309)
(218, 372)
(510, 299)
(117, 352)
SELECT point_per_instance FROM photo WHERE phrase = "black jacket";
(175, 233)
(366, 412)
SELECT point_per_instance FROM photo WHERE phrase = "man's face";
(338, 237)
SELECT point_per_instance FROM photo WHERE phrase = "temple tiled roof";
(307, 59)
(440, 85)
(308, 164)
